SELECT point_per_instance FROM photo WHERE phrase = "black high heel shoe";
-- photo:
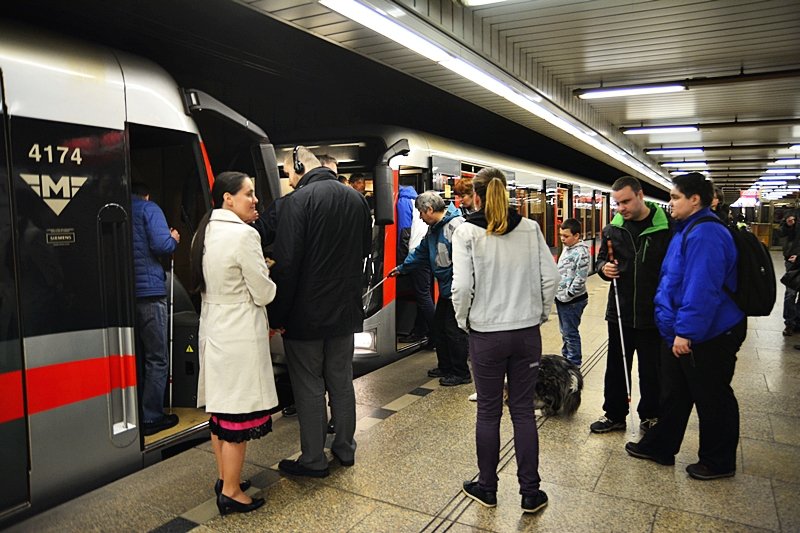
(229, 505)
(244, 485)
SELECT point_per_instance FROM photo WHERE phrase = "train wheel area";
(416, 445)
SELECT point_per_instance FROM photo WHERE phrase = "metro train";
(77, 126)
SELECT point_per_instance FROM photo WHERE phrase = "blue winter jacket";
(405, 218)
(690, 300)
(436, 249)
(151, 239)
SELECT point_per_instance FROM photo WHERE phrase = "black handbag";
(792, 279)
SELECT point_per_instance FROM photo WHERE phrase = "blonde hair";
(490, 186)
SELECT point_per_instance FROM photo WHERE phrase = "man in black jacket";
(324, 234)
(639, 235)
(791, 249)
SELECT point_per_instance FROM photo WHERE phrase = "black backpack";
(756, 291)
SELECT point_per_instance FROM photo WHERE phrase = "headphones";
(299, 168)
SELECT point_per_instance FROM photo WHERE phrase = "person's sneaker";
(704, 473)
(484, 497)
(605, 424)
(535, 503)
(452, 381)
(473, 397)
(164, 423)
(788, 331)
(647, 424)
(294, 468)
(289, 411)
(634, 450)
(436, 373)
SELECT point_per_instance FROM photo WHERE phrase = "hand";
(270, 262)
(681, 346)
(394, 273)
(175, 234)
(610, 270)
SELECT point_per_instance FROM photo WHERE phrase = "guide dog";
(558, 388)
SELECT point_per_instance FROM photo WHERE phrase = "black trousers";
(647, 344)
(450, 340)
(702, 379)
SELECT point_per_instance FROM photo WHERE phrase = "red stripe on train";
(11, 406)
(54, 386)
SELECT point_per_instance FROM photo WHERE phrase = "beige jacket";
(235, 364)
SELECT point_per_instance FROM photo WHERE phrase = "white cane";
(171, 307)
(621, 339)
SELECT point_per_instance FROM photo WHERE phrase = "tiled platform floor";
(416, 447)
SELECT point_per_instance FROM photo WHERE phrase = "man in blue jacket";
(436, 251)
(152, 237)
(703, 329)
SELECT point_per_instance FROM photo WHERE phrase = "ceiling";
(555, 47)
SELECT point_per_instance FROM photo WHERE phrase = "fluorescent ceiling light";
(631, 91)
(768, 183)
(386, 27)
(473, 3)
(785, 162)
(781, 177)
(682, 172)
(659, 129)
(672, 151)
(686, 164)
(781, 170)
(476, 75)
(795, 148)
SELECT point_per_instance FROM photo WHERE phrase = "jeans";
(450, 340)
(151, 329)
(647, 344)
(495, 355)
(701, 380)
(791, 307)
(569, 318)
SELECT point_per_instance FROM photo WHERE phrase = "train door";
(14, 489)
(72, 245)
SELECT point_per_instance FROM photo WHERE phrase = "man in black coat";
(791, 249)
(325, 232)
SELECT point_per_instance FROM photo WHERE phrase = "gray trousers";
(315, 366)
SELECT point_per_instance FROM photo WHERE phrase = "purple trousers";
(494, 356)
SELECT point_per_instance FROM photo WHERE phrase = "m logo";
(56, 194)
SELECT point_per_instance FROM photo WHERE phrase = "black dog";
(558, 388)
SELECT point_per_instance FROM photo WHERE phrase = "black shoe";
(290, 411)
(331, 429)
(244, 485)
(294, 468)
(647, 424)
(486, 498)
(436, 373)
(704, 473)
(605, 424)
(634, 450)
(229, 505)
(532, 504)
(166, 422)
(351, 462)
(412, 339)
(452, 381)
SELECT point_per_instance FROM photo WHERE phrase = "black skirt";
(240, 427)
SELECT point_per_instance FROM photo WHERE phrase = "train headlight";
(365, 342)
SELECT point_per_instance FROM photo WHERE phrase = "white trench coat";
(235, 364)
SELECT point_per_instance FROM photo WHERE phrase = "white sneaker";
(473, 397)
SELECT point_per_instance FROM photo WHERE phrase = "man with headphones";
(325, 232)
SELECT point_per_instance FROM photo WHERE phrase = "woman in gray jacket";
(504, 283)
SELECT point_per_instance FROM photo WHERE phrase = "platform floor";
(416, 447)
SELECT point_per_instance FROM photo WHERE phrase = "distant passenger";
(436, 251)
(325, 234)
(408, 222)
(328, 162)
(358, 182)
(791, 250)
(571, 297)
(152, 238)
(504, 281)
(236, 383)
(719, 207)
(639, 234)
(464, 191)
(342, 179)
(703, 328)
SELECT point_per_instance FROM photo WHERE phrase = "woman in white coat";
(236, 383)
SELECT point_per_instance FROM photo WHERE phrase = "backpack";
(756, 291)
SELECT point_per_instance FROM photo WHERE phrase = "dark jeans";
(647, 344)
(703, 380)
(494, 356)
(569, 318)
(421, 279)
(791, 307)
(153, 353)
(450, 340)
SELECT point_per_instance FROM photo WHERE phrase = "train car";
(391, 157)
(78, 122)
